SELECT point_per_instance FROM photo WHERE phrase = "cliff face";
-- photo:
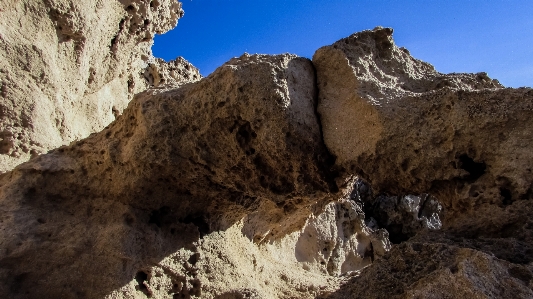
(362, 173)
(67, 68)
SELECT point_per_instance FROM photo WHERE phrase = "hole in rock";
(161, 216)
(454, 269)
(199, 221)
(244, 134)
(527, 195)
(129, 219)
(194, 259)
(396, 234)
(141, 277)
(521, 273)
(507, 198)
(475, 169)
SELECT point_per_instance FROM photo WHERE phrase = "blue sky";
(494, 36)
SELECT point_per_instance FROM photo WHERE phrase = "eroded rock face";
(302, 264)
(436, 270)
(224, 188)
(176, 165)
(460, 141)
(67, 68)
(176, 72)
(391, 118)
(340, 240)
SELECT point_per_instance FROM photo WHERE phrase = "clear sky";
(494, 36)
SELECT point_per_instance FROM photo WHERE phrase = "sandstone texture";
(242, 145)
(363, 173)
(461, 141)
(67, 68)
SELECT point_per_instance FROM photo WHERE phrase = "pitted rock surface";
(464, 142)
(461, 138)
(67, 68)
(244, 141)
(364, 173)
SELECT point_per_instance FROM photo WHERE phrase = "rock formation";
(461, 138)
(67, 68)
(363, 173)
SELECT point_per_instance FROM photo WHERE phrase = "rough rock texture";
(176, 72)
(461, 138)
(405, 216)
(339, 240)
(67, 68)
(386, 116)
(303, 264)
(434, 270)
(243, 143)
(225, 188)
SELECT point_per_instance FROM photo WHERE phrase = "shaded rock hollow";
(225, 188)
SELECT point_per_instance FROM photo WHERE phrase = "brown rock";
(462, 138)
(223, 188)
(387, 116)
(176, 165)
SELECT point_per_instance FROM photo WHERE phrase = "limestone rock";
(339, 241)
(411, 130)
(243, 143)
(224, 188)
(68, 67)
(433, 270)
(302, 264)
(402, 216)
(175, 72)
(461, 138)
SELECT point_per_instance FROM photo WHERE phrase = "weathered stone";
(402, 216)
(223, 188)
(176, 72)
(244, 141)
(389, 117)
(339, 241)
(433, 270)
(67, 68)
(462, 138)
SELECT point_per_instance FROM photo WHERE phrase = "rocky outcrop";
(461, 138)
(406, 183)
(390, 118)
(67, 68)
(436, 270)
(176, 72)
(244, 142)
